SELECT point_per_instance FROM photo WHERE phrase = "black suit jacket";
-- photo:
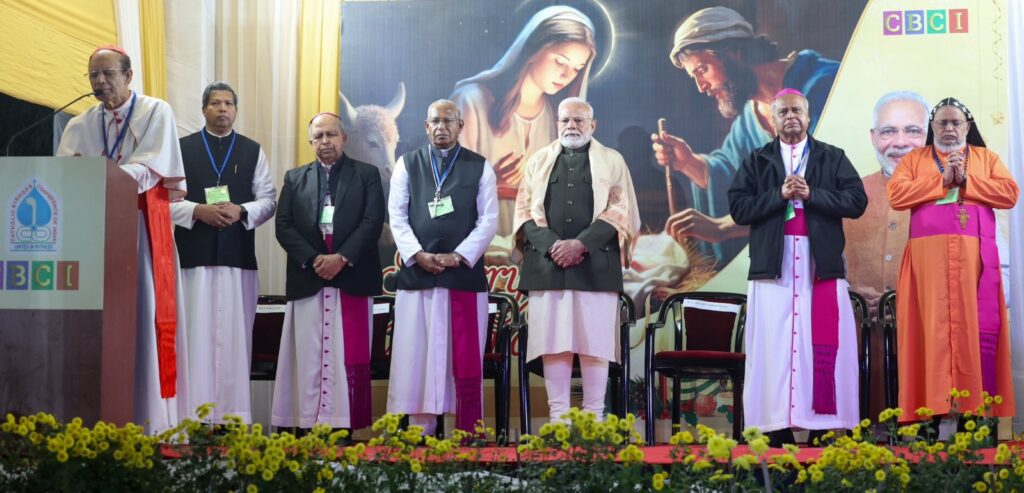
(755, 199)
(358, 219)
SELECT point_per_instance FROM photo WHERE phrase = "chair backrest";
(502, 318)
(887, 310)
(705, 321)
(862, 319)
(383, 325)
(266, 330)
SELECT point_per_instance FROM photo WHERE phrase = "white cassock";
(423, 382)
(779, 378)
(150, 153)
(220, 303)
(580, 322)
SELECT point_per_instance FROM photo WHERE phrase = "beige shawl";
(614, 197)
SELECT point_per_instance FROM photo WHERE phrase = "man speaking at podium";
(137, 132)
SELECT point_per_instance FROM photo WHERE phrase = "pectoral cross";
(963, 217)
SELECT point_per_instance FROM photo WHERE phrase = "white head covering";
(709, 25)
(511, 57)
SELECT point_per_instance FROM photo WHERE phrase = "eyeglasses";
(943, 123)
(434, 122)
(886, 133)
(579, 120)
(107, 74)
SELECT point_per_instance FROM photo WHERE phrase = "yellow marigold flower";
(415, 466)
(319, 489)
(970, 425)
(759, 445)
(880, 475)
(965, 393)
(267, 475)
(817, 476)
(801, 476)
(548, 474)
(864, 423)
(658, 481)
(745, 462)
(251, 489)
(980, 486)
(562, 434)
(998, 399)
(62, 456)
(793, 449)
(953, 392)
(701, 464)
(1004, 474)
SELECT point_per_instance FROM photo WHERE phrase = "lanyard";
(803, 159)
(109, 153)
(942, 169)
(206, 143)
(438, 178)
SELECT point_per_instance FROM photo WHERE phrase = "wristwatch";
(244, 215)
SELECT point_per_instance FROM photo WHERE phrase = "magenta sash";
(824, 329)
(467, 362)
(355, 332)
(930, 220)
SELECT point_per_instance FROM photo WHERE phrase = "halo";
(610, 26)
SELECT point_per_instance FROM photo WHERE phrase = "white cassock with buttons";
(779, 378)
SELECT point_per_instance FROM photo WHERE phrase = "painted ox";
(372, 132)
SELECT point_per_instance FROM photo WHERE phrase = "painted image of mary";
(510, 109)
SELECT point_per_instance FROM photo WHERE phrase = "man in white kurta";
(800, 339)
(329, 218)
(443, 208)
(575, 206)
(138, 133)
(230, 193)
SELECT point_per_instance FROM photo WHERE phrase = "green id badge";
(327, 216)
(952, 196)
(790, 211)
(217, 195)
(440, 207)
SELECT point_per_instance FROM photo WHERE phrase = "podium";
(68, 288)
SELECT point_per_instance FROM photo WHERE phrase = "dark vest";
(443, 234)
(204, 245)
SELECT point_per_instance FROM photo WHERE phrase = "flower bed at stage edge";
(37, 453)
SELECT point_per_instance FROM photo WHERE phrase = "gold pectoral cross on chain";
(963, 217)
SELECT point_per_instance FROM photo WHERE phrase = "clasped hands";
(955, 172)
(795, 187)
(567, 253)
(436, 263)
(328, 266)
(218, 215)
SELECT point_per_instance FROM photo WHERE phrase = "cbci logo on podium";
(34, 230)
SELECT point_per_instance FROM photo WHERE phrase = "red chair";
(708, 343)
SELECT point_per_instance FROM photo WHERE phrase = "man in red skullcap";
(329, 216)
(138, 133)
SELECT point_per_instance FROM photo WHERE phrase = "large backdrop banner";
(870, 69)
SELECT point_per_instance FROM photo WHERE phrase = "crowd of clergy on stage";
(575, 216)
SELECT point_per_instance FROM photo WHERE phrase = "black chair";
(708, 343)
(266, 337)
(862, 317)
(887, 317)
(502, 322)
(618, 372)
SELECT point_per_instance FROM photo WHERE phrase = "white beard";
(953, 148)
(887, 167)
(574, 141)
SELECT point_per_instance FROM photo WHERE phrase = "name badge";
(327, 216)
(440, 207)
(952, 196)
(790, 211)
(217, 195)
